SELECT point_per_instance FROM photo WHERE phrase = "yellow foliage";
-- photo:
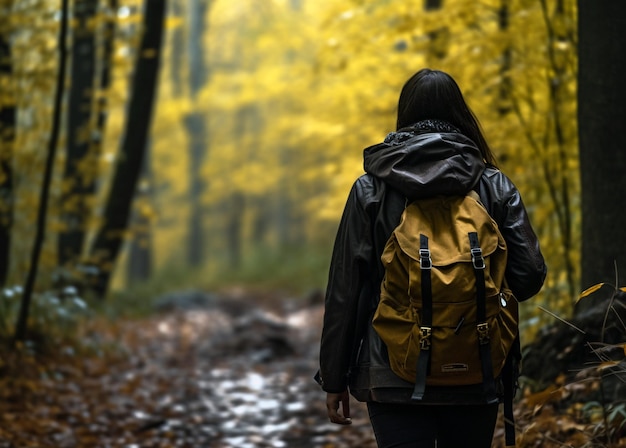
(292, 96)
(590, 290)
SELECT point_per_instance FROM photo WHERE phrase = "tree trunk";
(108, 41)
(140, 251)
(234, 231)
(561, 177)
(7, 141)
(601, 112)
(80, 164)
(504, 100)
(197, 26)
(29, 285)
(177, 52)
(438, 47)
(196, 124)
(117, 210)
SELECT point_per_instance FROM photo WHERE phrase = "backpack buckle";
(425, 261)
(425, 333)
(477, 258)
(483, 333)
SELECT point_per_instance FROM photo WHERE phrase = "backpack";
(445, 313)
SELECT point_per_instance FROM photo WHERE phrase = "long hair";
(433, 94)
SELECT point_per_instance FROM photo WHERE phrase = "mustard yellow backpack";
(445, 313)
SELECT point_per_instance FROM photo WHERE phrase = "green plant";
(55, 314)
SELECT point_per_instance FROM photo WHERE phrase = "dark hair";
(435, 95)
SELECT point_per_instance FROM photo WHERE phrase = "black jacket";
(409, 164)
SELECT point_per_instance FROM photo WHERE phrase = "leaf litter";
(212, 376)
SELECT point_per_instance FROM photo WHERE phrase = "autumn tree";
(108, 29)
(524, 93)
(559, 20)
(601, 99)
(196, 125)
(117, 210)
(80, 173)
(42, 211)
(260, 58)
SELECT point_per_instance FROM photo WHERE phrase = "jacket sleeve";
(347, 277)
(526, 269)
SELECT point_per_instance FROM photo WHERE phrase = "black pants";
(404, 426)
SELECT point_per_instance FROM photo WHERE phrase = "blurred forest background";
(209, 146)
(261, 111)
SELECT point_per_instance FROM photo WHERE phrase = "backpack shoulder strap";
(423, 360)
(482, 327)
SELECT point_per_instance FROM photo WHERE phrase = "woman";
(438, 149)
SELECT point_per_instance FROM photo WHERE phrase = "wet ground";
(219, 373)
(204, 377)
(251, 380)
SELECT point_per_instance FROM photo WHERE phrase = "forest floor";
(226, 374)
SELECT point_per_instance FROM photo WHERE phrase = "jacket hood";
(424, 162)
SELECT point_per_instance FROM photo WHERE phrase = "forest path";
(202, 377)
(213, 372)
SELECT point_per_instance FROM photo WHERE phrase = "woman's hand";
(332, 406)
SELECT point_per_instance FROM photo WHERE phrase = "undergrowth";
(586, 423)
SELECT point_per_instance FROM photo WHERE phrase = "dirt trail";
(203, 377)
(216, 373)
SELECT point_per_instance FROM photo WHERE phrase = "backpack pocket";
(455, 358)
